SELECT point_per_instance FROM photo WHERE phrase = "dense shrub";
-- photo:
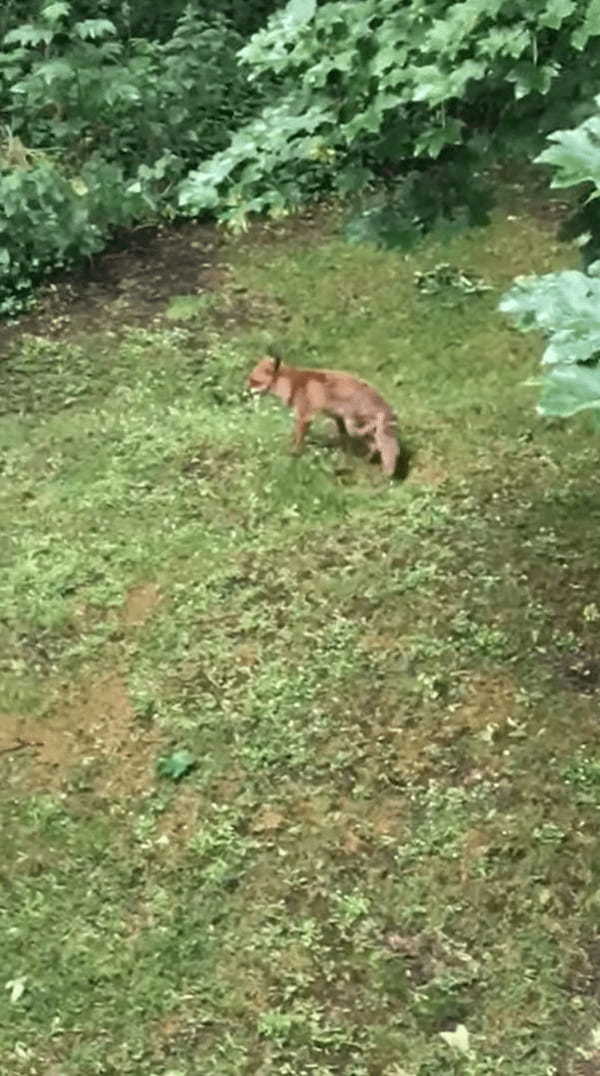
(116, 123)
(48, 220)
(146, 18)
(368, 86)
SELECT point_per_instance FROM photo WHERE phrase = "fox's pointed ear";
(276, 361)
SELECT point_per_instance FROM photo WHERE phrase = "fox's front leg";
(343, 432)
(301, 426)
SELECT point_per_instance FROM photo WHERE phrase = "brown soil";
(93, 738)
(132, 282)
(139, 604)
(490, 700)
(125, 286)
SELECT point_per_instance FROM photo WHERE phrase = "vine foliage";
(368, 86)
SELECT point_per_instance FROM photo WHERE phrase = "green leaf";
(352, 179)
(531, 78)
(556, 12)
(505, 41)
(431, 84)
(435, 86)
(567, 390)
(28, 34)
(175, 766)
(383, 226)
(56, 12)
(55, 69)
(93, 28)
(433, 139)
(298, 12)
(590, 27)
(575, 155)
(565, 306)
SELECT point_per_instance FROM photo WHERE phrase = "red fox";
(358, 409)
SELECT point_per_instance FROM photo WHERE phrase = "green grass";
(389, 692)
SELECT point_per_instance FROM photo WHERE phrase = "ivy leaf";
(432, 84)
(567, 390)
(433, 139)
(505, 41)
(590, 27)
(555, 13)
(176, 765)
(531, 78)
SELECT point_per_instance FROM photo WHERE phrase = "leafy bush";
(76, 86)
(565, 306)
(146, 18)
(48, 220)
(124, 119)
(368, 85)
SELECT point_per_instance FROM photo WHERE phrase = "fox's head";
(263, 374)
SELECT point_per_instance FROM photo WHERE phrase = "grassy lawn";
(389, 692)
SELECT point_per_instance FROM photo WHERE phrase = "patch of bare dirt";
(490, 700)
(180, 820)
(429, 473)
(588, 1067)
(580, 671)
(94, 737)
(309, 226)
(132, 282)
(528, 193)
(140, 604)
(129, 284)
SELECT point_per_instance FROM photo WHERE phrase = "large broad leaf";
(575, 155)
(569, 389)
(565, 306)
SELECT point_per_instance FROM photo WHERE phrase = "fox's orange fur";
(356, 406)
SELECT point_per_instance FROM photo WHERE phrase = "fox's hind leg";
(389, 452)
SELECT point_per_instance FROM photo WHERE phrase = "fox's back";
(339, 392)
